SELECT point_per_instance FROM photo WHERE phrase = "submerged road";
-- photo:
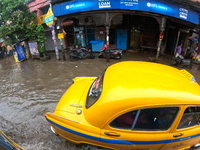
(31, 88)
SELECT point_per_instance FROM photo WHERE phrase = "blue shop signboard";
(154, 6)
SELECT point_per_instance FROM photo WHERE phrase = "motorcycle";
(180, 61)
(2, 52)
(195, 56)
(116, 54)
(81, 53)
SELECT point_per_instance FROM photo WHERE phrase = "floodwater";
(31, 88)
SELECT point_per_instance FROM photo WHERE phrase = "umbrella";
(1, 40)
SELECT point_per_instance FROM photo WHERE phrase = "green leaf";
(22, 23)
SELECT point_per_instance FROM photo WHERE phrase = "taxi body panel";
(128, 86)
(8, 144)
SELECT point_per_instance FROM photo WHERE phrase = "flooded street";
(31, 88)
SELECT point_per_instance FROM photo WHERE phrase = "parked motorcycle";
(116, 54)
(180, 61)
(196, 58)
(2, 52)
(81, 53)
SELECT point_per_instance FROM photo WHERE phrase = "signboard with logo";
(153, 6)
(34, 49)
(49, 17)
(60, 36)
(40, 19)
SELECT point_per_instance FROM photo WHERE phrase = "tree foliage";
(14, 16)
(37, 33)
(16, 23)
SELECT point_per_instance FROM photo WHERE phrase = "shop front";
(122, 24)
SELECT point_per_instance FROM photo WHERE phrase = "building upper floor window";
(44, 9)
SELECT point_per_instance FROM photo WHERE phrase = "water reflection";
(32, 87)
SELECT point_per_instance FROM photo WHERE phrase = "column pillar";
(162, 23)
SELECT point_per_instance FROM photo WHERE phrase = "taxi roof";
(149, 77)
(132, 84)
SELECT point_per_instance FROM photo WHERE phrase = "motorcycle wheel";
(190, 66)
(92, 56)
(173, 63)
(118, 56)
(72, 58)
(101, 56)
(195, 61)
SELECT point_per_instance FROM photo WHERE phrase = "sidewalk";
(131, 55)
(93, 67)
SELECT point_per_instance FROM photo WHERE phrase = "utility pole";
(61, 37)
(55, 42)
(162, 29)
(49, 20)
(107, 36)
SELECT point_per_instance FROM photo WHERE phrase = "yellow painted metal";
(8, 141)
(141, 84)
(127, 86)
(16, 57)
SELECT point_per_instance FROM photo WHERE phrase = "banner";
(33, 48)
(49, 18)
(154, 6)
(20, 53)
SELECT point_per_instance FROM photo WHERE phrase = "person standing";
(178, 50)
(176, 60)
(3, 51)
(9, 49)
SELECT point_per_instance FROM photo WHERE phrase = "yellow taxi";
(8, 144)
(132, 105)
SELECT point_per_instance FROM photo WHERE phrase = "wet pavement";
(33, 87)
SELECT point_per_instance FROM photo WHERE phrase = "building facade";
(127, 24)
(40, 7)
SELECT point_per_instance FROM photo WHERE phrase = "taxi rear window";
(148, 119)
(191, 117)
(95, 91)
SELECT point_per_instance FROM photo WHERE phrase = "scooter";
(2, 52)
(116, 54)
(81, 53)
(180, 61)
(195, 57)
